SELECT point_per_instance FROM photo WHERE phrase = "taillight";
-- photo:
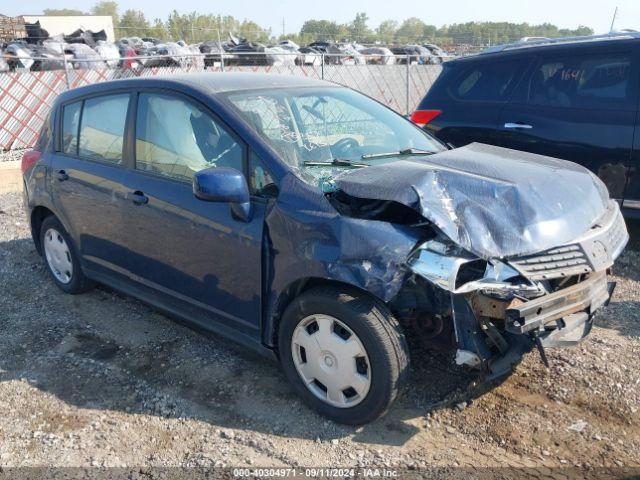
(29, 159)
(423, 117)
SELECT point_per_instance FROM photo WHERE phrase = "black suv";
(575, 99)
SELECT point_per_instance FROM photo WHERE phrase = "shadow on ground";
(104, 350)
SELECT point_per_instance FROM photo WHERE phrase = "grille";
(555, 263)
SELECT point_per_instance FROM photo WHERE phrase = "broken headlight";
(446, 265)
(454, 269)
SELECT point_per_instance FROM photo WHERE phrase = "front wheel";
(344, 352)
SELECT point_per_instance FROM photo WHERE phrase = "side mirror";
(226, 185)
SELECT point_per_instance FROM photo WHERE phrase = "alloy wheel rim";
(58, 256)
(331, 361)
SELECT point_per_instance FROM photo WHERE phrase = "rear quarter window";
(492, 81)
(70, 124)
(45, 135)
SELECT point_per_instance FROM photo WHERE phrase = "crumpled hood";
(492, 201)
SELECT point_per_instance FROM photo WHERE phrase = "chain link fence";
(27, 96)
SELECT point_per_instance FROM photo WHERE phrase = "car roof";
(209, 83)
(551, 45)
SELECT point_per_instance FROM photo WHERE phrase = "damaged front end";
(517, 253)
(497, 309)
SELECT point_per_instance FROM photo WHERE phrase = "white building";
(65, 25)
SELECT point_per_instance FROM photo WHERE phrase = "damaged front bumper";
(501, 309)
(576, 301)
(493, 334)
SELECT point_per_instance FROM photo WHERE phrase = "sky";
(271, 13)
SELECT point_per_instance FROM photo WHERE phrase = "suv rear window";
(582, 82)
(488, 82)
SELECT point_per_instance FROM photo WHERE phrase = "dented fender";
(305, 237)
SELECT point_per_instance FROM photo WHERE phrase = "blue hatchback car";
(307, 221)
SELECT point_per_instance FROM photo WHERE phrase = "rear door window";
(70, 122)
(102, 127)
(570, 81)
(489, 82)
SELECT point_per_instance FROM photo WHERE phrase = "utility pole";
(613, 20)
(283, 34)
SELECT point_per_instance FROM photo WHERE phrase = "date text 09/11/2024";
(315, 472)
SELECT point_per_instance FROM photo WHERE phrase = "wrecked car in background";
(317, 226)
(18, 55)
(109, 52)
(415, 54)
(4, 66)
(213, 51)
(82, 56)
(378, 55)
(85, 49)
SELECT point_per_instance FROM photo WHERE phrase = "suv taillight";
(423, 117)
(29, 159)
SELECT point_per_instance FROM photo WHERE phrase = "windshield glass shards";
(331, 127)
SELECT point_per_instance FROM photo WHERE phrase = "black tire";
(376, 328)
(78, 283)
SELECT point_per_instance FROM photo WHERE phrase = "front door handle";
(62, 175)
(517, 125)
(138, 197)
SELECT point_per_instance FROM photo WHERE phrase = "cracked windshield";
(321, 132)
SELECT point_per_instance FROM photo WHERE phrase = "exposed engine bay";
(492, 310)
(501, 308)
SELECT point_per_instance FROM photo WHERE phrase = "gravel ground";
(101, 379)
(11, 155)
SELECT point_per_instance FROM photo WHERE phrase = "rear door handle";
(62, 175)
(516, 125)
(138, 197)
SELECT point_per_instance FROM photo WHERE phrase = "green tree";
(194, 27)
(359, 31)
(411, 31)
(106, 7)
(133, 24)
(159, 30)
(386, 31)
(429, 33)
(254, 32)
(322, 30)
(63, 12)
(484, 33)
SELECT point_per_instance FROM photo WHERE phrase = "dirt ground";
(101, 379)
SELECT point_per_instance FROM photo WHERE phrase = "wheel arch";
(38, 214)
(293, 290)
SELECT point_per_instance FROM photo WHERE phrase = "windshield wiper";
(336, 162)
(404, 151)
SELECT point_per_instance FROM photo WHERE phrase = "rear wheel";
(344, 352)
(60, 257)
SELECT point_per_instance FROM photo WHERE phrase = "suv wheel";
(344, 352)
(60, 257)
